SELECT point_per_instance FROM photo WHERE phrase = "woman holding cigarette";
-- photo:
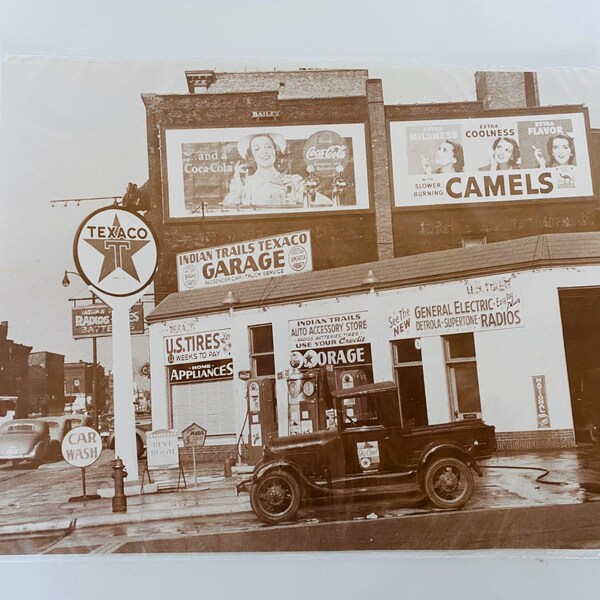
(561, 150)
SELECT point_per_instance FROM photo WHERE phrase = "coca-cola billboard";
(265, 170)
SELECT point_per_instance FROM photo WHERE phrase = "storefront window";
(408, 370)
(462, 375)
(261, 351)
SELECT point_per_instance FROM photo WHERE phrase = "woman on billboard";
(561, 150)
(505, 155)
(256, 179)
(449, 158)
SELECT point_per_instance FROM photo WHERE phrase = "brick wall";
(293, 84)
(539, 439)
(337, 239)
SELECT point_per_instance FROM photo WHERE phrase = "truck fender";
(275, 465)
(446, 449)
(263, 469)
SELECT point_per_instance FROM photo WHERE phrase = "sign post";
(81, 447)
(194, 435)
(115, 252)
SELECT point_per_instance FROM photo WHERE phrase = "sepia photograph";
(255, 309)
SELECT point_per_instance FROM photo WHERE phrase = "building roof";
(501, 257)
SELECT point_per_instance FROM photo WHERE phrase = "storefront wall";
(508, 356)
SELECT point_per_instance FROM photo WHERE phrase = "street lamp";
(66, 283)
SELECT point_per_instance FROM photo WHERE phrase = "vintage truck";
(366, 449)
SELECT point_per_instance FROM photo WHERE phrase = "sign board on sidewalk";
(162, 449)
(194, 435)
(81, 447)
(95, 320)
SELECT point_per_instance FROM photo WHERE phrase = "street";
(510, 509)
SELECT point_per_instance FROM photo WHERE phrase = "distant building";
(79, 386)
(14, 370)
(46, 382)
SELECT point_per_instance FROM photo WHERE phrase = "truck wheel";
(448, 483)
(275, 497)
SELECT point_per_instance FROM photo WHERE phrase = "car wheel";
(275, 497)
(139, 444)
(54, 451)
(448, 483)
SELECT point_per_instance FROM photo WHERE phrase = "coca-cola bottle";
(311, 183)
(340, 184)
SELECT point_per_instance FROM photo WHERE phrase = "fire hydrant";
(119, 501)
(229, 462)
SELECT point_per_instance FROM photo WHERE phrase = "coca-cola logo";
(332, 153)
(325, 150)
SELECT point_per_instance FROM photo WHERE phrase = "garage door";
(207, 404)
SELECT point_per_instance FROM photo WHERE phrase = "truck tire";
(448, 483)
(275, 497)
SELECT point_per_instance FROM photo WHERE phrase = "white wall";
(507, 359)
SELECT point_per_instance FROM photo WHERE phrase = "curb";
(78, 523)
(63, 526)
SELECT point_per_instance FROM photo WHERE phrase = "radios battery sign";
(95, 320)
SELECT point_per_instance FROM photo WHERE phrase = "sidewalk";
(41, 504)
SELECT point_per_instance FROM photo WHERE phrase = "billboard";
(524, 157)
(283, 254)
(95, 320)
(279, 169)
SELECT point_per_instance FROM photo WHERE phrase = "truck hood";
(302, 441)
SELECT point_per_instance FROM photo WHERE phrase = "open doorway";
(580, 315)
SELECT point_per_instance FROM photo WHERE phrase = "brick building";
(46, 382)
(425, 189)
(383, 222)
(13, 370)
(79, 386)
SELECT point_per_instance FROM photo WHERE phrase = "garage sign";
(245, 261)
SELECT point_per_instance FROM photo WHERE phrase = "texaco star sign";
(115, 251)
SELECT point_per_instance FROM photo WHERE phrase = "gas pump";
(309, 401)
(345, 379)
(262, 415)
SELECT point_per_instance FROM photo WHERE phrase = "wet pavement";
(37, 501)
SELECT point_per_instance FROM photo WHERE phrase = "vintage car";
(143, 424)
(59, 427)
(367, 450)
(24, 439)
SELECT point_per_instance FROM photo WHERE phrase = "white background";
(231, 34)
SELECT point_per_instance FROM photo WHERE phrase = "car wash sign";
(266, 257)
(457, 307)
(198, 356)
(95, 320)
(329, 340)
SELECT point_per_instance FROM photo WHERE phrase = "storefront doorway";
(580, 314)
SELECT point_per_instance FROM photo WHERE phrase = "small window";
(360, 411)
(461, 346)
(261, 351)
(473, 240)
